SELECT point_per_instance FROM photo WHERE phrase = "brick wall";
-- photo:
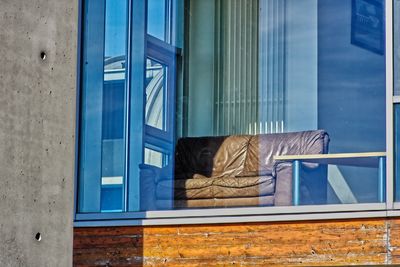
(318, 243)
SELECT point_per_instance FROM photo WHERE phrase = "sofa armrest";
(282, 172)
(149, 169)
(159, 174)
(148, 177)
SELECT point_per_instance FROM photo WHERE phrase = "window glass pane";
(351, 90)
(256, 103)
(274, 77)
(157, 19)
(154, 158)
(155, 94)
(396, 46)
(111, 192)
(102, 152)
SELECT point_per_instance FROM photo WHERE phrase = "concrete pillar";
(38, 40)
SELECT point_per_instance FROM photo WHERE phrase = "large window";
(198, 104)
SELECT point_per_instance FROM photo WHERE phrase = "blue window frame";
(117, 53)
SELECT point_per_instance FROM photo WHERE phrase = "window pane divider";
(389, 105)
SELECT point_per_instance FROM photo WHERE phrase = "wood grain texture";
(316, 243)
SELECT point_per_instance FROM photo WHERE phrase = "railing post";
(296, 182)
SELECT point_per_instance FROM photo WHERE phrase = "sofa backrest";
(242, 155)
(262, 148)
(210, 156)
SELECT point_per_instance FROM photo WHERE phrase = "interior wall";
(201, 68)
(301, 65)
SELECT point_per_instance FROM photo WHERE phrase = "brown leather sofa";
(239, 170)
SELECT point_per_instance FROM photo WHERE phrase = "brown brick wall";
(312, 243)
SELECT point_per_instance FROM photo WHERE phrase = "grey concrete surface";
(37, 128)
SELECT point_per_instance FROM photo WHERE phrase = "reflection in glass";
(103, 129)
(113, 106)
(155, 94)
(154, 158)
(157, 22)
(230, 117)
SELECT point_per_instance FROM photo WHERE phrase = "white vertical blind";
(249, 67)
(272, 66)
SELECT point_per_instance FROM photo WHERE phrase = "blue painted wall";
(351, 93)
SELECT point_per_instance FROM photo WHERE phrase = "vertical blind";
(249, 67)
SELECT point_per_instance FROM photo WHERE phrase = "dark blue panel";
(397, 151)
(113, 109)
(111, 198)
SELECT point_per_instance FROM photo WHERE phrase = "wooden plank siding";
(311, 243)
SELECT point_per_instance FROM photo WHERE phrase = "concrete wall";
(37, 128)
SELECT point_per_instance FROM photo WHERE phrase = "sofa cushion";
(225, 187)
